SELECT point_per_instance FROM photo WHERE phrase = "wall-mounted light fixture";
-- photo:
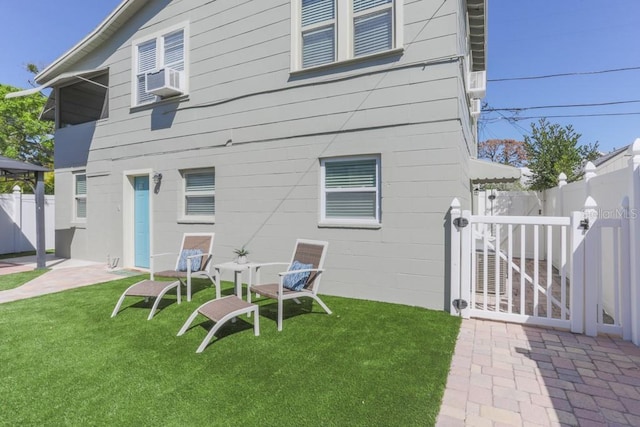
(157, 179)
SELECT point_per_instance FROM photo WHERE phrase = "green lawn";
(13, 280)
(64, 361)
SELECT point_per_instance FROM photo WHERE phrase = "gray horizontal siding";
(267, 202)
(404, 108)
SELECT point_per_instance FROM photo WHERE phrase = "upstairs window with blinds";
(163, 51)
(351, 190)
(80, 193)
(372, 26)
(199, 193)
(318, 32)
(146, 62)
(338, 30)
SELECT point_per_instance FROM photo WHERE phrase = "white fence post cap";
(455, 204)
(562, 179)
(590, 209)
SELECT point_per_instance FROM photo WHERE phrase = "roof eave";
(102, 32)
(477, 13)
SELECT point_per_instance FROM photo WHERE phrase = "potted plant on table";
(242, 255)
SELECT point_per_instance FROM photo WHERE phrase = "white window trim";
(344, 33)
(158, 37)
(197, 219)
(324, 221)
(76, 196)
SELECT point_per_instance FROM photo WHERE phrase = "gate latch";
(584, 224)
(460, 304)
(460, 222)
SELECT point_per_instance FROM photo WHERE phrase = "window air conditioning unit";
(477, 84)
(164, 82)
(476, 108)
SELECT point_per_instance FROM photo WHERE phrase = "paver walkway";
(507, 374)
(64, 274)
(12, 267)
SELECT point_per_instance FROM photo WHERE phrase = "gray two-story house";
(351, 121)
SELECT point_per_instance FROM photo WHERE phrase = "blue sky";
(526, 38)
(39, 31)
(542, 37)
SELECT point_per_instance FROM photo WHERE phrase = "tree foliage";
(553, 149)
(505, 151)
(23, 136)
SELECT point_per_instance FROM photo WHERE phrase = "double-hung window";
(199, 194)
(328, 31)
(80, 195)
(372, 26)
(318, 21)
(350, 190)
(166, 50)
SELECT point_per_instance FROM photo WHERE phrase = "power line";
(516, 118)
(547, 76)
(511, 121)
(540, 107)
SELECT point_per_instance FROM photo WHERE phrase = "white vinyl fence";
(615, 197)
(492, 280)
(18, 222)
(569, 257)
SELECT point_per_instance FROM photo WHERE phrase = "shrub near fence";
(18, 222)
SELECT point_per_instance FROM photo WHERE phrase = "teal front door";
(141, 221)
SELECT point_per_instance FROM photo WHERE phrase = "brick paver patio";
(507, 374)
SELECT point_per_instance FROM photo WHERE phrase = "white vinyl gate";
(561, 283)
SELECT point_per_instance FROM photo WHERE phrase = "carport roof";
(11, 167)
(483, 172)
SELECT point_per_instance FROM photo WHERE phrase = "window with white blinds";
(337, 30)
(318, 22)
(372, 26)
(80, 192)
(351, 189)
(146, 62)
(199, 193)
(163, 50)
(174, 50)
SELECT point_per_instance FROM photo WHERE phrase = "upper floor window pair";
(337, 30)
(323, 32)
